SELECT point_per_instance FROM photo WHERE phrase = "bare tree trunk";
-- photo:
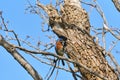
(82, 48)
(73, 23)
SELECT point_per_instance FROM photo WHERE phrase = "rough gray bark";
(73, 23)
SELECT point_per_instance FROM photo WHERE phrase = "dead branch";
(12, 50)
(12, 31)
(60, 57)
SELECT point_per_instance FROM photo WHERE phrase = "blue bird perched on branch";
(60, 43)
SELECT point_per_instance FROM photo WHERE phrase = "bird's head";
(60, 41)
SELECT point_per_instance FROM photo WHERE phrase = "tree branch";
(6, 29)
(63, 58)
(12, 50)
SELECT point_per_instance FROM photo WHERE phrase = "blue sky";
(30, 24)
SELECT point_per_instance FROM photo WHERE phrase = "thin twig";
(20, 59)
(6, 29)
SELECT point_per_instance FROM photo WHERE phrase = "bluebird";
(60, 48)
